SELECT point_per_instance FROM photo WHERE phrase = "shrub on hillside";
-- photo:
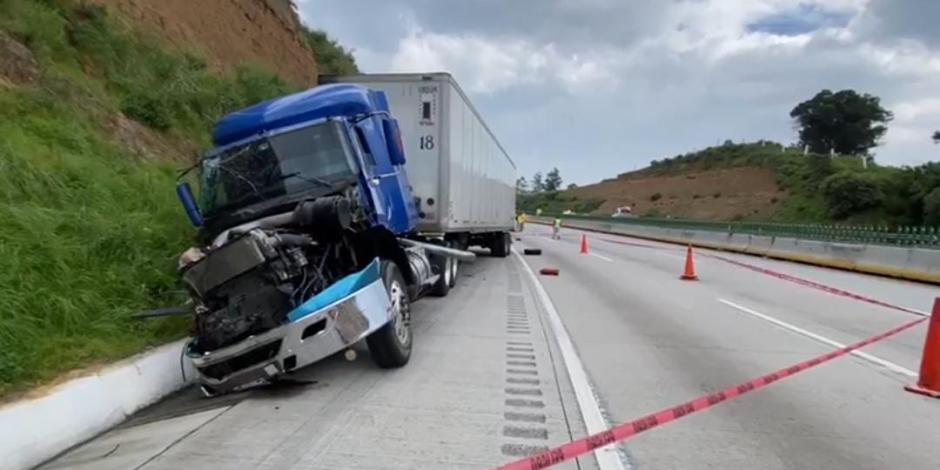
(932, 207)
(332, 58)
(160, 88)
(847, 193)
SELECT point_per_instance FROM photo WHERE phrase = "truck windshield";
(289, 163)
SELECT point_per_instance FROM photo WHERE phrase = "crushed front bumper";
(303, 341)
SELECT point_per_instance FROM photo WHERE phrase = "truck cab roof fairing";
(315, 103)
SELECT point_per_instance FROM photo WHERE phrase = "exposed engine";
(249, 283)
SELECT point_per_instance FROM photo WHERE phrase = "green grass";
(332, 58)
(555, 203)
(88, 237)
(90, 234)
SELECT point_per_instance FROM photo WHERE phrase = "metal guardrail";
(927, 237)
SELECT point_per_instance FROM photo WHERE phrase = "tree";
(537, 184)
(553, 180)
(843, 122)
(572, 186)
(522, 186)
(936, 137)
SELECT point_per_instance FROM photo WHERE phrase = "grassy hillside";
(823, 188)
(91, 227)
(804, 188)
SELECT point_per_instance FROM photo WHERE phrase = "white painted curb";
(35, 430)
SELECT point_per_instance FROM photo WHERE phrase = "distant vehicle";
(623, 211)
(568, 212)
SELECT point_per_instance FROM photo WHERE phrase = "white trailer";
(463, 177)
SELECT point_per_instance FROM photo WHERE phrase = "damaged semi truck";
(322, 215)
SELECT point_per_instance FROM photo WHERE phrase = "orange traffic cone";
(929, 381)
(689, 274)
(584, 245)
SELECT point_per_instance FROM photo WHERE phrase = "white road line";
(822, 339)
(607, 457)
(601, 257)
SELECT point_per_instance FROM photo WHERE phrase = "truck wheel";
(445, 266)
(499, 246)
(455, 272)
(390, 345)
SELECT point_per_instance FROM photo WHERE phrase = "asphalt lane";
(650, 341)
(484, 387)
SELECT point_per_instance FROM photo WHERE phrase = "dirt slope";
(744, 192)
(228, 32)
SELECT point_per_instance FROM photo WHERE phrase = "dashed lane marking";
(601, 257)
(822, 339)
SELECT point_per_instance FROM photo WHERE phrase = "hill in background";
(761, 181)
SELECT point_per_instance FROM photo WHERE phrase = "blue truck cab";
(330, 133)
(306, 227)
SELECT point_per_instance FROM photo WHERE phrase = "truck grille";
(225, 368)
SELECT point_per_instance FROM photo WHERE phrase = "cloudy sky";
(599, 87)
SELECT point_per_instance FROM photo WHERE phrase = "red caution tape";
(627, 430)
(816, 285)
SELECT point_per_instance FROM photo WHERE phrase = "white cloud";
(489, 65)
(596, 87)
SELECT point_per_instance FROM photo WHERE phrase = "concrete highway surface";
(509, 364)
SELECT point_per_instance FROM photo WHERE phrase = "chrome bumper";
(301, 342)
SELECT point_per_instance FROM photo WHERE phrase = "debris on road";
(532, 251)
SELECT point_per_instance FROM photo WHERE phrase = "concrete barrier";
(916, 264)
(35, 430)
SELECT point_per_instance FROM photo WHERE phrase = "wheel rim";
(401, 311)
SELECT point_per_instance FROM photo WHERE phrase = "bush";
(656, 196)
(332, 58)
(848, 193)
(932, 207)
(716, 195)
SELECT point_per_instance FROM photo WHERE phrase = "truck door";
(388, 183)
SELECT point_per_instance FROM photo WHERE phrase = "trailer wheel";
(444, 265)
(500, 245)
(390, 345)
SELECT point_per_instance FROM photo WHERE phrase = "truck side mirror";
(185, 193)
(396, 151)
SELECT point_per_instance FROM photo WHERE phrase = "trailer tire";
(444, 265)
(500, 244)
(390, 345)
